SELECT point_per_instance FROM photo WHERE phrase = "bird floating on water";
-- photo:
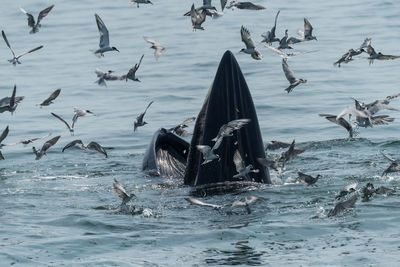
(39, 153)
(250, 47)
(16, 58)
(138, 122)
(104, 38)
(31, 20)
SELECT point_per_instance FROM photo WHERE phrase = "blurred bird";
(394, 165)
(346, 190)
(138, 122)
(308, 179)
(269, 37)
(132, 72)
(106, 76)
(15, 59)
(2, 137)
(80, 113)
(79, 143)
(104, 38)
(180, 128)
(342, 122)
(50, 99)
(245, 5)
(158, 48)
(12, 103)
(39, 153)
(120, 190)
(290, 77)
(197, 18)
(31, 20)
(208, 153)
(228, 129)
(343, 206)
(250, 47)
(242, 170)
(141, 2)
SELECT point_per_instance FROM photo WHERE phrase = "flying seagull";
(208, 153)
(71, 130)
(106, 76)
(308, 179)
(306, 35)
(269, 37)
(207, 9)
(131, 75)
(104, 38)
(290, 77)
(12, 103)
(50, 99)
(241, 169)
(291, 153)
(39, 153)
(394, 165)
(245, 5)
(180, 128)
(373, 55)
(28, 141)
(347, 57)
(80, 113)
(198, 17)
(79, 143)
(15, 59)
(341, 122)
(228, 129)
(139, 119)
(250, 47)
(141, 2)
(158, 48)
(2, 137)
(31, 20)
(283, 43)
(273, 145)
(269, 164)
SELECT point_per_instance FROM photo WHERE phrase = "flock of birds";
(363, 114)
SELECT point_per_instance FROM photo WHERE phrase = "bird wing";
(352, 111)
(249, 5)
(304, 177)
(30, 51)
(246, 38)
(203, 149)
(307, 28)
(246, 202)
(98, 148)
(381, 120)
(237, 159)
(72, 144)
(104, 37)
(273, 145)
(370, 50)
(50, 143)
(7, 43)
(188, 120)
(288, 73)
(301, 34)
(31, 19)
(223, 4)
(4, 134)
(387, 157)
(342, 122)
(44, 13)
(61, 119)
(366, 43)
(148, 107)
(12, 99)
(195, 201)
(120, 190)
(99, 73)
(52, 97)
(276, 19)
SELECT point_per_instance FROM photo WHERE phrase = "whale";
(227, 99)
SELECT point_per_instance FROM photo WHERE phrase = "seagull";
(6, 102)
(158, 48)
(269, 37)
(343, 205)
(283, 43)
(347, 57)
(245, 5)
(208, 153)
(12, 104)
(245, 203)
(2, 137)
(269, 164)
(141, 2)
(132, 72)
(93, 145)
(80, 113)
(373, 55)
(198, 17)
(273, 145)
(15, 59)
(307, 34)
(208, 9)
(28, 141)
(39, 153)
(31, 20)
(106, 76)
(308, 179)
(250, 47)
(291, 152)
(71, 130)
(290, 77)
(50, 99)
(353, 112)
(242, 170)
(346, 190)
(227, 130)
(195, 201)
(342, 122)
(139, 119)
(104, 38)
(120, 190)
(180, 128)
(394, 166)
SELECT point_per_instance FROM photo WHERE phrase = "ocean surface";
(61, 210)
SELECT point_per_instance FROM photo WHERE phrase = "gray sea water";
(60, 210)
